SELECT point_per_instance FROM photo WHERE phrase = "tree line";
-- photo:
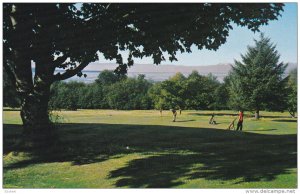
(110, 91)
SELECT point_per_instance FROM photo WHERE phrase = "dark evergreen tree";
(257, 82)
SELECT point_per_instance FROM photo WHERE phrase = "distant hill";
(161, 72)
(140, 68)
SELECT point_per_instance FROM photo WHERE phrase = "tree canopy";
(66, 31)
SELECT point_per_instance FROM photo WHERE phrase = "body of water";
(154, 76)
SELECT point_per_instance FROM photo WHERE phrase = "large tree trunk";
(38, 130)
(257, 114)
(37, 126)
(35, 93)
(34, 112)
(34, 109)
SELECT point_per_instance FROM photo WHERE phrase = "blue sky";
(283, 33)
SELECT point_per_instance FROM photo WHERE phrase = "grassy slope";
(106, 149)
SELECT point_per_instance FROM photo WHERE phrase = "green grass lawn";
(141, 149)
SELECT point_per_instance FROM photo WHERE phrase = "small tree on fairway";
(257, 82)
(159, 102)
(169, 94)
(199, 91)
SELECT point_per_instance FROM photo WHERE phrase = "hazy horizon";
(159, 72)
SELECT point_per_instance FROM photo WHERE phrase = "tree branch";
(60, 60)
(70, 73)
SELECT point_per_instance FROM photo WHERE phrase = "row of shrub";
(110, 91)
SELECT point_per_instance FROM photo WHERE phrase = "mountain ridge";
(221, 68)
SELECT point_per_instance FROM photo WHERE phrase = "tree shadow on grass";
(262, 130)
(183, 121)
(178, 152)
(285, 120)
(216, 114)
(248, 115)
(274, 117)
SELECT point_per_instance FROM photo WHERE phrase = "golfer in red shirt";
(240, 122)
